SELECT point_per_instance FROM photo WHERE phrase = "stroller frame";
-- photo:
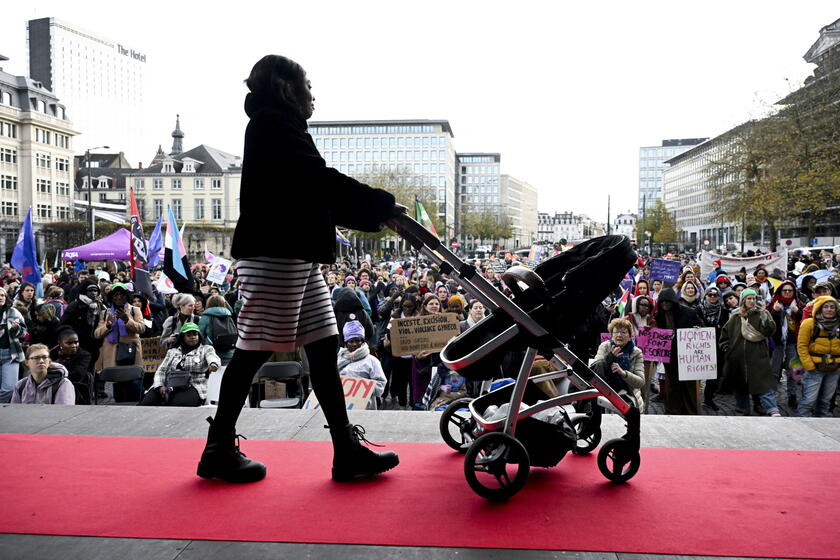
(588, 383)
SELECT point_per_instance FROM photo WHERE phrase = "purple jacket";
(26, 392)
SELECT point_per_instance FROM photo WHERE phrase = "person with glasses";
(620, 362)
(786, 310)
(46, 383)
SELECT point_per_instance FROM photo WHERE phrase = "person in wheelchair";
(181, 378)
(621, 363)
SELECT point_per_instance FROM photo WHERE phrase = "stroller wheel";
(457, 425)
(618, 461)
(586, 443)
(496, 466)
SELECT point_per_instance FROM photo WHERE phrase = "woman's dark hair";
(471, 304)
(277, 77)
(65, 332)
(23, 286)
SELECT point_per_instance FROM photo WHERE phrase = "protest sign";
(696, 354)
(357, 393)
(425, 333)
(656, 344)
(153, 354)
(665, 270)
(732, 265)
(218, 270)
(605, 336)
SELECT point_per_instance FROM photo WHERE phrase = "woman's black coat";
(290, 201)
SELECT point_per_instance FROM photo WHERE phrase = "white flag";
(165, 285)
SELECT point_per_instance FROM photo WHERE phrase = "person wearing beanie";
(718, 270)
(680, 396)
(189, 354)
(818, 345)
(744, 343)
(723, 283)
(355, 360)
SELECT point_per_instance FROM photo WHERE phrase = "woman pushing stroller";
(287, 188)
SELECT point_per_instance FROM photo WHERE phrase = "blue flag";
(155, 244)
(25, 255)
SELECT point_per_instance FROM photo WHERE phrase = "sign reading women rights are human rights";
(696, 354)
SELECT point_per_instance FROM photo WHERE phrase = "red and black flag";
(139, 252)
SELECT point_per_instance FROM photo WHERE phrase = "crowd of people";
(777, 333)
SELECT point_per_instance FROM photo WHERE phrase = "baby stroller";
(545, 305)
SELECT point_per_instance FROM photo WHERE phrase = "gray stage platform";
(729, 432)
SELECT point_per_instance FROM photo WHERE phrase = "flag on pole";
(423, 217)
(156, 244)
(340, 238)
(175, 263)
(622, 303)
(209, 257)
(139, 251)
(25, 255)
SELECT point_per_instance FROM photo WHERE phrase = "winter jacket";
(14, 336)
(815, 352)
(134, 326)
(204, 327)
(364, 366)
(747, 366)
(635, 377)
(287, 185)
(347, 303)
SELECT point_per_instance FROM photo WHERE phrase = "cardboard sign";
(219, 270)
(665, 270)
(696, 354)
(153, 354)
(656, 344)
(425, 333)
(357, 393)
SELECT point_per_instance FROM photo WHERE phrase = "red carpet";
(683, 501)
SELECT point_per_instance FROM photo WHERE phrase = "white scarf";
(346, 357)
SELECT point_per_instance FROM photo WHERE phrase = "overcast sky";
(567, 92)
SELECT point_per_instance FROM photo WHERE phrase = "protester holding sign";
(714, 315)
(424, 361)
(286, 304)
(620, 363)
(355, 360)
(744, 340)
(680, 396)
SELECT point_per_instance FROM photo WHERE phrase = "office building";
(519, 199)
(99, 79)
(652, 163)
(416, 154)
(36, 157)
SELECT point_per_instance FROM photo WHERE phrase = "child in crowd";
(355, 360)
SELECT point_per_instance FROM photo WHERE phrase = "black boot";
(222, 459)
(351, 459)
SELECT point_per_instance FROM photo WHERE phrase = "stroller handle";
(413, 231)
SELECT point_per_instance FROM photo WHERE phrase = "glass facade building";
(652, 165)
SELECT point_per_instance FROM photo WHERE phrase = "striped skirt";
(286, 304)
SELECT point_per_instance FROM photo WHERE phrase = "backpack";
(223, 333)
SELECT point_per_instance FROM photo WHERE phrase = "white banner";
(696, 354)
(218, 270)
(732, 265)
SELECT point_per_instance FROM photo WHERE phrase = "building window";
(62, 141)
(42, 160)
(176, 183)
(8, 155)
(139, 184)
(8, 182)
(157, 184)
(217, 208)
(10, 208)
(158, 205)
(8, 130)
(62, 189)
(199, 209)
(44, 211)
(62, 213)
(42, 136)
(141, 208)
(103, 197)
(198, 184)
(176, 208)
(43, 185)
(62, 164)
(215, 183)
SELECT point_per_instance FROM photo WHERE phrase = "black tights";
(323, 374)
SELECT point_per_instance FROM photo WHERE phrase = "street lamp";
(89, 189)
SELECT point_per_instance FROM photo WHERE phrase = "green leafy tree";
(659, 222)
